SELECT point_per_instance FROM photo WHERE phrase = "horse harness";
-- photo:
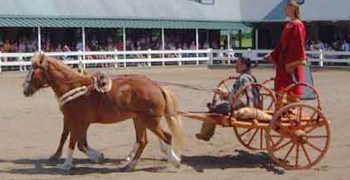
(101, 84)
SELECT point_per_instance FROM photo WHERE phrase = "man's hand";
(217, 90)
(223, 94)
(268, 58)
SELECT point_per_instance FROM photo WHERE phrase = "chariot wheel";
(310, 95)
(298, 137)
(255, 138)
(227, 85)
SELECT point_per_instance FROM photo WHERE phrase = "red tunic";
(289, 57)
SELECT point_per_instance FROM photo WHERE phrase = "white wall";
(312, 10)
(221, 10)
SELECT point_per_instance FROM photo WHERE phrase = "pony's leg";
(141, 138)
(93, 154)
(162, 147)
(83, 146)
(64, 136)
(74, 137)
(135, 146)
(166, 138)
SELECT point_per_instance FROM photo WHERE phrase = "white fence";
(20, 61)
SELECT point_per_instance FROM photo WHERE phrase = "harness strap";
(105, 89)
(71, 95)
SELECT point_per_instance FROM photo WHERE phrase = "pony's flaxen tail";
(173, 120)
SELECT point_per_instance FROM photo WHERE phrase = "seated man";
(243, 67)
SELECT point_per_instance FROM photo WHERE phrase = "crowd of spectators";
(140, 41)
(23, 44)
(340, 45)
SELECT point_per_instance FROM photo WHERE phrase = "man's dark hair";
(246, 61)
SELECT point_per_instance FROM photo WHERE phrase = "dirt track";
(30, 128)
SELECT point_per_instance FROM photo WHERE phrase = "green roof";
(116, 23)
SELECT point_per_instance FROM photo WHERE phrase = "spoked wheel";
(255, 138)
(226, 85)
(299, 136)
(269, 83)
(310, 95)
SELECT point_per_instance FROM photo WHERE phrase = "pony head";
(37, 76)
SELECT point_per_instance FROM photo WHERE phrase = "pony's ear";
(36, 60)
(43, 61)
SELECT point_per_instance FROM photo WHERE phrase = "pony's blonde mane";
(63, 73)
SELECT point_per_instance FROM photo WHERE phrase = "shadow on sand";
(243, 159)
(49, 167)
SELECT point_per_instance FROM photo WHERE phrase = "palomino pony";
(83, 101)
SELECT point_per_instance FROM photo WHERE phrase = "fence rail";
(20, 61)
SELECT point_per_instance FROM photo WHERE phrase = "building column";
(39, 39)
(240, 38)
(124, 40)
(256, 38)
(229, 40)
(83, 38)
(124, 45)
(163, 41)
(197, 42)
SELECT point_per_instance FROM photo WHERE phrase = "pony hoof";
(55, 157)
(127, 169)
(127, 159)
(65, 167)
(176, 164)
(175, 161)
(101, 158)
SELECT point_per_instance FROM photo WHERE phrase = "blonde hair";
(297, 8)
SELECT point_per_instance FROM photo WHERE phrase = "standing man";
(289, 56)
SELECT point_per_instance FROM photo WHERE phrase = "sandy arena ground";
(30, 130)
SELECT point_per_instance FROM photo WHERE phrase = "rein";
(186, 86)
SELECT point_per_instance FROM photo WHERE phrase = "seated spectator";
(79, 46)
(7, 46)
(120, 45)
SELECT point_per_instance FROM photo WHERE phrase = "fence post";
(163, 57)
(197, 56)
(81, 63)
(0, 62)
(149, 58)
(321, 58)
(124, 55)
(180, 57)
(116, 58)
(20, 59)
(230, 55)
(210, 55)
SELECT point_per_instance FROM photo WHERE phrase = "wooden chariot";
(297, 136)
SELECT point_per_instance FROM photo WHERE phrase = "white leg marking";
(67, 165)
(132, 153)
(93, 154)
(131, 165)
(172, 157)
(163, 147)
